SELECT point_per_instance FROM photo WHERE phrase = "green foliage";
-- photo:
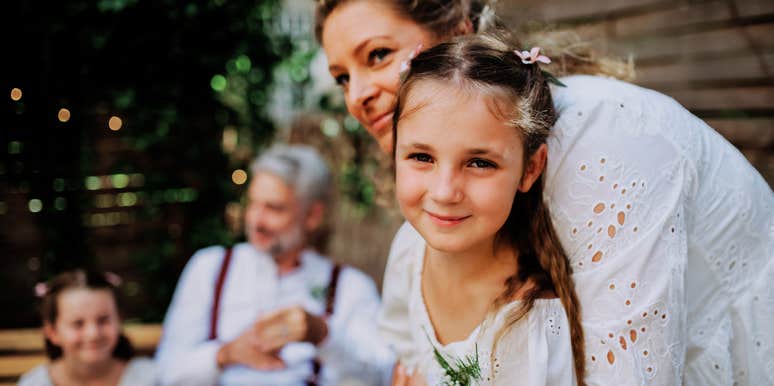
(463, 372)
(177, 72)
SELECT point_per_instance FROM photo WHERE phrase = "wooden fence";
(716, 57)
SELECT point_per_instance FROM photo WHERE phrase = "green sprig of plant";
(463, 372)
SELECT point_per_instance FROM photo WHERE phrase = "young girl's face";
(366, 42)
(87, 325)
(458, 167)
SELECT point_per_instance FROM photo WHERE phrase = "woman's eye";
(481, 163)
(377, 55)
(420, 157)
(342, 80)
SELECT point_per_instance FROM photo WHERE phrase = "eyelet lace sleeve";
(669, 232)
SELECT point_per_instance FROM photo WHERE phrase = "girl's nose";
(91, 330)
(446, 186)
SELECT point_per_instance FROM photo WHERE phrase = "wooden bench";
(22, 349)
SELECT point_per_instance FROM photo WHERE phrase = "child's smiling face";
(87, 325)
(458, 166)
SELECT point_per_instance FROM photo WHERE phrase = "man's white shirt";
(252, 288)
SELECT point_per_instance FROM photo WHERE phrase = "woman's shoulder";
(586, 90)
(140, 371)
(38, 376)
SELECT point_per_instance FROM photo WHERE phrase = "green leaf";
(464, 372)
(552, 79)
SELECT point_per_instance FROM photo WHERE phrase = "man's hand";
(245, 350)
(292, 324)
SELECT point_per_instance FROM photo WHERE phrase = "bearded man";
(272, 311)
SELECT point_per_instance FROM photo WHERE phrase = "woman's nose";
(362, 91)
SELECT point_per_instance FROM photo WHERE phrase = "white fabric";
(522, 354)
(138, 372)
(670, 232)
(351, 352)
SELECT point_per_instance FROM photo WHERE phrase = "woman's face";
(366, 42)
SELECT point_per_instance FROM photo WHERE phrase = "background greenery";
(140, 199)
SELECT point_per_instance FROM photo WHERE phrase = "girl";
(83, 338)
(471, 124)
(666, 225)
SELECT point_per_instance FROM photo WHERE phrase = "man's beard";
(284, 242)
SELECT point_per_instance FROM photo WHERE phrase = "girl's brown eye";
(481, 163)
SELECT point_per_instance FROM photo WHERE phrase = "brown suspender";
(218, 290)
(330, 295)
(330, 299)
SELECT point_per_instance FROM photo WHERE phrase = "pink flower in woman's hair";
(41, 289)
(406, 64)
(532, 56)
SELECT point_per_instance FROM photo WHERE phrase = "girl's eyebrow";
(471, 152)
(481, 151)
(489, 153)
(417, 146)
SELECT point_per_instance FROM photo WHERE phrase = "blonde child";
(492, 300)
(83, 339)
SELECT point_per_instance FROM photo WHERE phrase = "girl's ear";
(533, 169)
(50, 333)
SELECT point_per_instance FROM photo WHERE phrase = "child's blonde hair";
(520, 95)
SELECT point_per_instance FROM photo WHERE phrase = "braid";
(553, 260)
(542, 260)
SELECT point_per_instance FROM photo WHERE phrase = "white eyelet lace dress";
(536, 351)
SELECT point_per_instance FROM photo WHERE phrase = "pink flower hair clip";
(532, 56)
(41, 289)
(113, 279)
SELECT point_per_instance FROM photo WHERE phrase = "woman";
(667, 227)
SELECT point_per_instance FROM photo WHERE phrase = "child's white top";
(536, 351)
(138, 372)
(670, 233)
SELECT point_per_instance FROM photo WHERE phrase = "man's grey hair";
(299, 166)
